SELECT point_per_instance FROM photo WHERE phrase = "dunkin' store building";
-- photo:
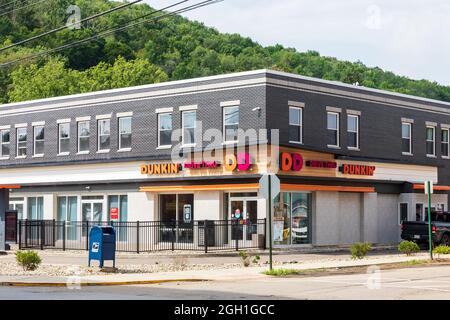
(351, 160)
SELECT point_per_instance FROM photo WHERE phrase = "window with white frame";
(333, 129)
(296, 124)
(5, 142)
(104, 134)
(124, 133)
(84, 134)
(230, 123)
(164, 129)
(38, 140)
(406, 138)
(188, 123)
(353, 131)
(430, 141)
(444, 142)
(21, 134)
(64, 138)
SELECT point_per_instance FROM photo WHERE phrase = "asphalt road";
(412, 283)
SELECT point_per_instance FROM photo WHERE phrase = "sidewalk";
(232, 274)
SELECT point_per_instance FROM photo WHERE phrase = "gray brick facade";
(380, 120)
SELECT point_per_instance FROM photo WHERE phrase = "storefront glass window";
(121, 203)
(419, 212)
(185, 206)
(35, 208)
(292, 218)
(168, 207)
(282, 218)
(17, 203)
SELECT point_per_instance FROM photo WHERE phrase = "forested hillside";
(168, 49)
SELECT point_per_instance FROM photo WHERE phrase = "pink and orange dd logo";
(291, 161)
(241, 162)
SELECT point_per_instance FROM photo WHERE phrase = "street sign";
(264, 186)
(428, 186)
(269, 187)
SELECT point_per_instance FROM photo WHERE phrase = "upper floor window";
(21, 142)
(84, 134)
(406, 138)
(124, 133)
(444, 142)
(430, 142)
(164, 130)
(353, 131)
(64, 138)
(188, 122)
(38, 140)
(4, 141)
(333, 129)
(230, 123)
(295, 124)
(104, 135)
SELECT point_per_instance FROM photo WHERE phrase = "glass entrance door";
(244, 217)
(92, 211)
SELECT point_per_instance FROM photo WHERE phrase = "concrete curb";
(93, 284)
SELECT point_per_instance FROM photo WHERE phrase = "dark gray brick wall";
(144, 124)
(380, 128)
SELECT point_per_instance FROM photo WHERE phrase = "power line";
(69, 25)
(111, 31)
(22, 7)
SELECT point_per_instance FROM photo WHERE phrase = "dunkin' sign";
(357, 169)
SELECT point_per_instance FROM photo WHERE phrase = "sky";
(408, 37)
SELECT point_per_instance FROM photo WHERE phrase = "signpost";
(269, 187)
(429, 191)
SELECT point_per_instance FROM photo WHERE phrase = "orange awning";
(419, 186)
(3, 186)
(200, 187)
(310, 187)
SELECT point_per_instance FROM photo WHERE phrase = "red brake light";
(433, 229)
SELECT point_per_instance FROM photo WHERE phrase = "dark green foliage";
(408, 247)
(28, 260)
(179, 47)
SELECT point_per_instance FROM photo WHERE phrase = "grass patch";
(413, 262)
(288, 272)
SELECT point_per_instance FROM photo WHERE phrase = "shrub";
(245, 258)
(359, 250)
(28, 260)
(408, 247)
(442, 249)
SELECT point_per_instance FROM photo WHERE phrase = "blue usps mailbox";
(102, 244)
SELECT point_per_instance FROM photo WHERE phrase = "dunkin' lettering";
(160, 168)
(356, 169)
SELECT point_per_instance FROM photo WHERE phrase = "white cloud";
(408, 37)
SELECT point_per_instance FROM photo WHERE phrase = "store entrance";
(244, 217)
(92, 208)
